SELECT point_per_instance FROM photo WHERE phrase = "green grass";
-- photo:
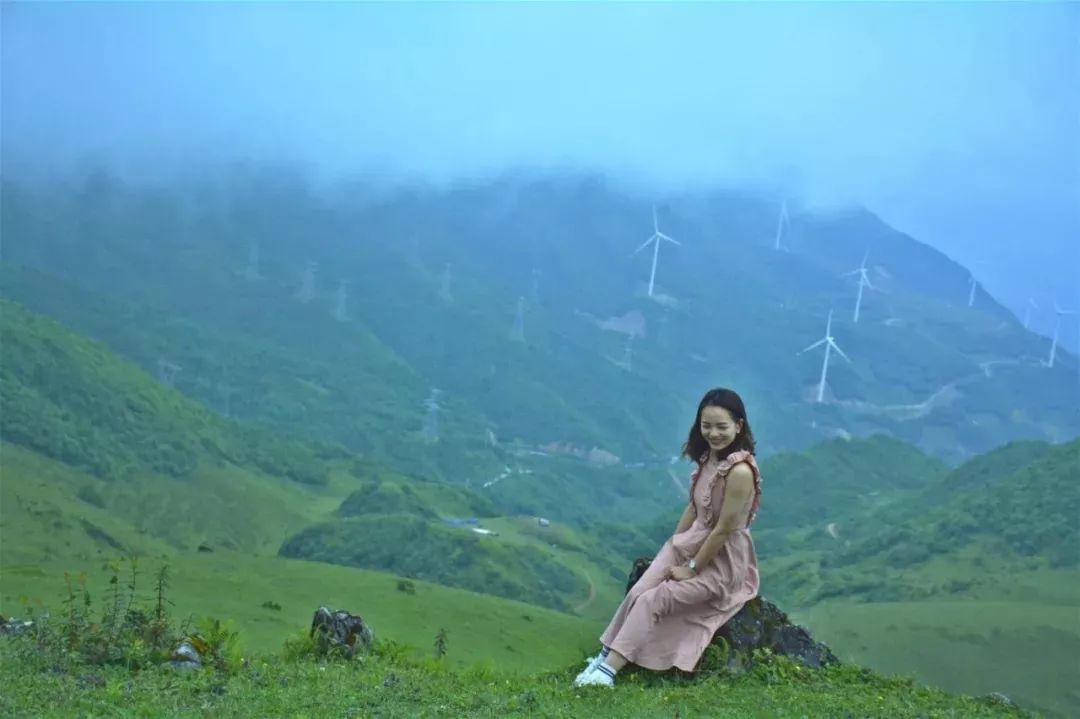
(515, 636)
(386, 686)
(165, 518)
(1024, 649)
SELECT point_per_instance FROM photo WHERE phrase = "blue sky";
(957, 122)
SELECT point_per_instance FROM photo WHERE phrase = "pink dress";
(662, 624)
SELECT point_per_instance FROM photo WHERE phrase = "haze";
(959, 123)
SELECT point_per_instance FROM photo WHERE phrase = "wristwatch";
(692, 565)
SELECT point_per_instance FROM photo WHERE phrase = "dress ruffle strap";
(722, 471)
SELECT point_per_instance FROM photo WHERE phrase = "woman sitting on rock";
(707, 570)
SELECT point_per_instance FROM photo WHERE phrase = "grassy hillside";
(970, 582)
(1026, 513)
(71, 398)
(277, 364)
(74, 401)
(1026, 648)
(840, 478)
(385, 686)
(433, 283)
(60, 532)
(414, 547)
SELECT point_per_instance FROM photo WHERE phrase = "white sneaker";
(595, 678)
(590, 664)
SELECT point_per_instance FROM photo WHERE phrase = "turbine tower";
(830, 344)
(654, 240)
(783, 223)
(167, 371)
(307, 283)
(973, 284)
(536, 286)
(518, 333)
(1032, 304)
(444, 291)
(251, 272)
(341, 311)
(627, 361)
(1057, 328)
(864, 281)
(430, 429)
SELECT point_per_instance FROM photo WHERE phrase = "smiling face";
(719, 428)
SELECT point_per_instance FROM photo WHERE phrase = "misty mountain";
(521, 301)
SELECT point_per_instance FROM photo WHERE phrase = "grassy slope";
(1025, 649)
(39, 509)
(978, 612)
(385, 688)
(495, 235)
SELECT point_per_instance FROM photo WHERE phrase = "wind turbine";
(430, 429)
(307, 283)
(783, 223)
(518, 333)
(1057, 328)
(444, 291)
(341, 308)
(830, 344)
(655, 239)
(864, 281)
(1032, 304)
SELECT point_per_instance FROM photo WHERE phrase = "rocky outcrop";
(760, 624)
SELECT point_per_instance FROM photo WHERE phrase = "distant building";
(543, 522)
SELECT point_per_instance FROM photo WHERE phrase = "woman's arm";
(738, 490)
(686, 519)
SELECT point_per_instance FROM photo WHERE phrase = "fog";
(959, 123)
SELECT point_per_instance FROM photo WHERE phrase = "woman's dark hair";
(697, 446)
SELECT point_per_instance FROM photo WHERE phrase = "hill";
(426, 297)
(63, 393)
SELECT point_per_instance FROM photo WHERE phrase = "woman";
(707, 570)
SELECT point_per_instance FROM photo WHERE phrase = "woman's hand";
(680, 573)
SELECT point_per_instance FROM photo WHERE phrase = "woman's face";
(718, 427)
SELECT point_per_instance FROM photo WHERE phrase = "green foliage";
(840, 478)
(440, 644)
(126, 632)
(1026, 509)
(416, 497)
(455, 557)
(389, 684)
(70, 398)
(250, 347)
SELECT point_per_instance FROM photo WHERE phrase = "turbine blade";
(816, 344)
(645, 244)
(839, 351)
(672, 240)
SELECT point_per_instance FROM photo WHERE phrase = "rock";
(91, 680)
(14, 627)
(640, 565)
(998, 698)
(760, 624)
(186, 656)
(341, 630)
